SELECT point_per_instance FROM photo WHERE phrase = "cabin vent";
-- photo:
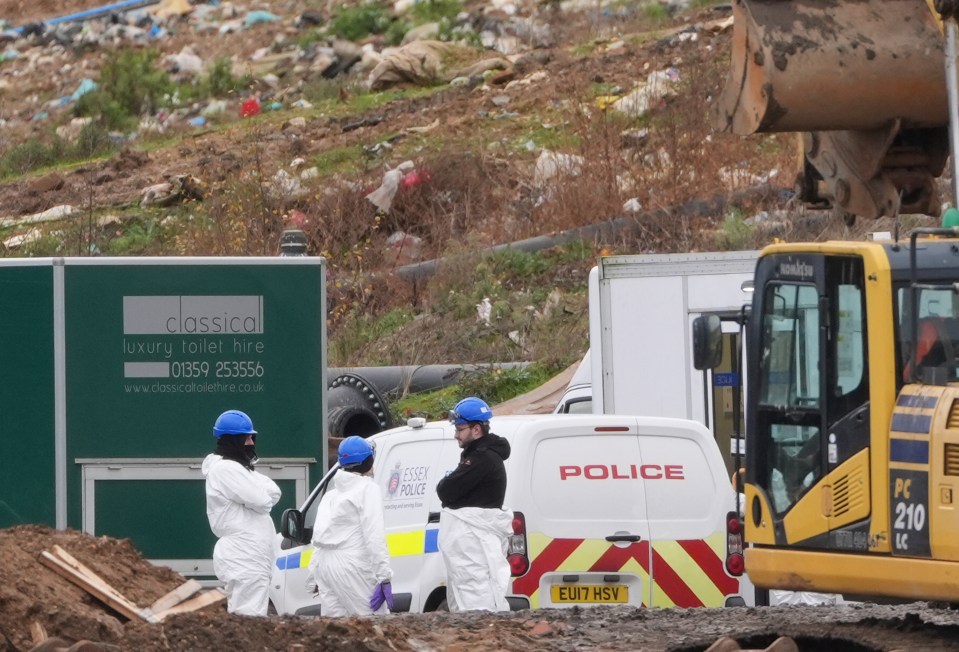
(953, 419)
(848, 493)
(952, 459)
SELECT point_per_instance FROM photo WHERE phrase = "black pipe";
(355, 407)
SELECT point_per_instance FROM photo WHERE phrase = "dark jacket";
(480, 478)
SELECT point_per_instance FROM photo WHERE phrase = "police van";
(608, 509)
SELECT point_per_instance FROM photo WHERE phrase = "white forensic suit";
(350, 557)
(238, 504)
(474, 541)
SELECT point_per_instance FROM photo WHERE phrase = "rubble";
(39, 607)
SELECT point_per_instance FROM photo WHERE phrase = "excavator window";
(790, 359)
(790, 384)
(937, 337)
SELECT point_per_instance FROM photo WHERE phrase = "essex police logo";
(394, 483)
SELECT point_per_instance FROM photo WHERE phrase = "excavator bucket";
(825, 65)
(863, 80)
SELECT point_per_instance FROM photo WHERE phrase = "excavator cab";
(852, 419)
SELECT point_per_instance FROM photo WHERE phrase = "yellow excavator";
(864, 84)
(852, 417)
(852, 348)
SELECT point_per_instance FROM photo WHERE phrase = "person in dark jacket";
(474, 527)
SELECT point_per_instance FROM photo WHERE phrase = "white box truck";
(641, 309)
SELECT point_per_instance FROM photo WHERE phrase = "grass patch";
(54, 152)
(333, 98)
(429, 405)
(656, 13)
(430, 11)
(493, 385)
(339, 160)
(137, 237)
(362, 331)
(48, 244)
(554, 139)
(369, 101)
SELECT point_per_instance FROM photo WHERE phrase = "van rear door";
(688, 498)
(581, 490)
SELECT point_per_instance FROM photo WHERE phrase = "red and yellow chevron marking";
(687, 573)
(692, 573)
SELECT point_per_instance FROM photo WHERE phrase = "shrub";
(354, 23)
(130, 85)
(497, 384)
(735, 234)
(94, 140)
(396, 31)
(429, 11)
(136, 237)
(31, 155)
(220, 81)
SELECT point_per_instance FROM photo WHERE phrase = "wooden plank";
(204, 599)
(176, 596)
(100, 583)
(91, 576)
(71, 574)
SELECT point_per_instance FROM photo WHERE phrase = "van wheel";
(443, 606)
(271, 609)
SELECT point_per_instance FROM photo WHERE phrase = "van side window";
(579, 406)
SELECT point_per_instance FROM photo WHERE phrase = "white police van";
(609, 509)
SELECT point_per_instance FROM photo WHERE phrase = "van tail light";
(735, 562)
(516, 553)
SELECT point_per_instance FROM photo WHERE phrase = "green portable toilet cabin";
(114, 370)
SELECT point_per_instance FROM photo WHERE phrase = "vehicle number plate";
(589, 593)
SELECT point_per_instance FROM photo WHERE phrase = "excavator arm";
(862, 81)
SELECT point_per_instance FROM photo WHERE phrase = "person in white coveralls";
(474, 527)
(351, 565)
(238, 504)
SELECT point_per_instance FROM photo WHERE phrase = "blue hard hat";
(354, 451)
(470, 409)
(233, 422)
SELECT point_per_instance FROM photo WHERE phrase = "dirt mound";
(31, 592)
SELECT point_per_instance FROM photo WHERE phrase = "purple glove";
(382, 593)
